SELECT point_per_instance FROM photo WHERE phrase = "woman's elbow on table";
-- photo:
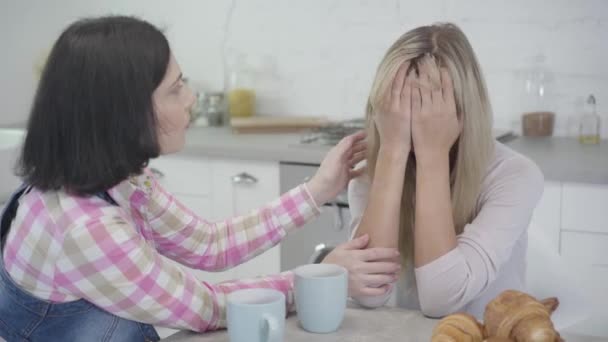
(438, 301)
(436, 308)
(445, 293)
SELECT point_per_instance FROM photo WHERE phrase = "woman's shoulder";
(510, 170)
(507, 160)
(64, 210)
(135, 191)
(358, 190)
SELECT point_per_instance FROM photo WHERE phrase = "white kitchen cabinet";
(183, 175)
(10, 147)
(573, 218)
(586, 248)
(585, 208)
(239, 187)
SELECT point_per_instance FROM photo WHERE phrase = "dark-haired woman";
(86, 241)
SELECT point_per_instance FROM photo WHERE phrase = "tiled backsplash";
(322, 54)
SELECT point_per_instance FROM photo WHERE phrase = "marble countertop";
(561, 159)
(362, 325)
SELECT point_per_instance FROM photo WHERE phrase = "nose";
(191, 98)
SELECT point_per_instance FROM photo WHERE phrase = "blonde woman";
(455, 202)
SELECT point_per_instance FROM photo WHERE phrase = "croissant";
(521, 317)
(460, 327)
(550, 303)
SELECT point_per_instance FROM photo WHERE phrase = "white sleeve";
(451, 281)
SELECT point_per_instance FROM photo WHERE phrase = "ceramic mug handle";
(269, 329)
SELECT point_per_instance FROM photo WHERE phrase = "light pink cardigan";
(491, 252)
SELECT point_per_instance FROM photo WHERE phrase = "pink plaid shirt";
(62, 248)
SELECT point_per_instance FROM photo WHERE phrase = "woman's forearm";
(434, 233)
(381, 216)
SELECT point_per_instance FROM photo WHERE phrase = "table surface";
(382, 324)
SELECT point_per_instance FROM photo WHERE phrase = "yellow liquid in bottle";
(589, 139)
(241, 102)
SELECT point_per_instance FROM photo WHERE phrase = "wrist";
(394, 153)
(318, 191)
(432, 161)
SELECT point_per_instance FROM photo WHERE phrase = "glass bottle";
(589, 129)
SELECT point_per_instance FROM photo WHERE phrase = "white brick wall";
(325, 52)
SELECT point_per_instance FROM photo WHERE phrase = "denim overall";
(24, 317)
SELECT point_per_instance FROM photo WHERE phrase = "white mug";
(321, 292)
(256, 315)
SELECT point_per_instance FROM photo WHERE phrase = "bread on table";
(497, 339)
(512, 316)
(460, 327)
(519, 316)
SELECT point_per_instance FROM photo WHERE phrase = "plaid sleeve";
(282, 282)
(214, 246)
(107, 262)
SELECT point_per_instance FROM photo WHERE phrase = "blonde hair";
(470, 155)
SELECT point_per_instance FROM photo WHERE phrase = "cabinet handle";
(157, 173)
(244, 178)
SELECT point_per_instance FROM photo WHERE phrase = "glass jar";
(538, 101)
(214, 108)
(241, 89)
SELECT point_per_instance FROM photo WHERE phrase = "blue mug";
(256, 315)
(321, 291)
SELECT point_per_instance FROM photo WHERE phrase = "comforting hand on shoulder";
(338, 168)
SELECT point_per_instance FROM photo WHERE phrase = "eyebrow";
(181, 75)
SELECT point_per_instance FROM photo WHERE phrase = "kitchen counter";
(382, 324)
(561, 159)
(565, 159)
(222, 143)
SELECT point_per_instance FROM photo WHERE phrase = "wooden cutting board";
(276, 124)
